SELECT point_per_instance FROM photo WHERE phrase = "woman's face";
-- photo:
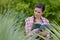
(38, 12)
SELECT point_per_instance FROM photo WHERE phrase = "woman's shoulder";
(45, 19)
(29, 19)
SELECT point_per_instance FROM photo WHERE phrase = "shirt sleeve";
(26, 26)
(48, 35)
(46, 21)
(32, 32)
(28, 30)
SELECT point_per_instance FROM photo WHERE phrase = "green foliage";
(52, 11)
(11, 25)
(14, 12)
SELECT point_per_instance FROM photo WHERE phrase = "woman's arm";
(28, 29)
(32, 32)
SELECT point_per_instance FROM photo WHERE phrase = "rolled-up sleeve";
(32, 32)
(28, 28)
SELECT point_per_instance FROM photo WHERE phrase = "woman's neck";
(37, 20)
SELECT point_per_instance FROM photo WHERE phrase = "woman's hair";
(40, 5)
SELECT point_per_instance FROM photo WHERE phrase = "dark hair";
(40, 5)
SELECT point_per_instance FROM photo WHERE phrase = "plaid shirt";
(28, 24)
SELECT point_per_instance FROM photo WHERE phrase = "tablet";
(39, 26)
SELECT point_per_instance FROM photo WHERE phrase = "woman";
(36, 19)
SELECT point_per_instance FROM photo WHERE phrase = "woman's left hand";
(43, 33)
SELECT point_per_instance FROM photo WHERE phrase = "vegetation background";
(14, 12)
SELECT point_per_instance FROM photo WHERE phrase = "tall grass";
(11, 25)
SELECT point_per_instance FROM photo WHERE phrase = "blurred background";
(14, 12)
(52, 11)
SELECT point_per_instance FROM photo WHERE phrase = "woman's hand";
(42, 32)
